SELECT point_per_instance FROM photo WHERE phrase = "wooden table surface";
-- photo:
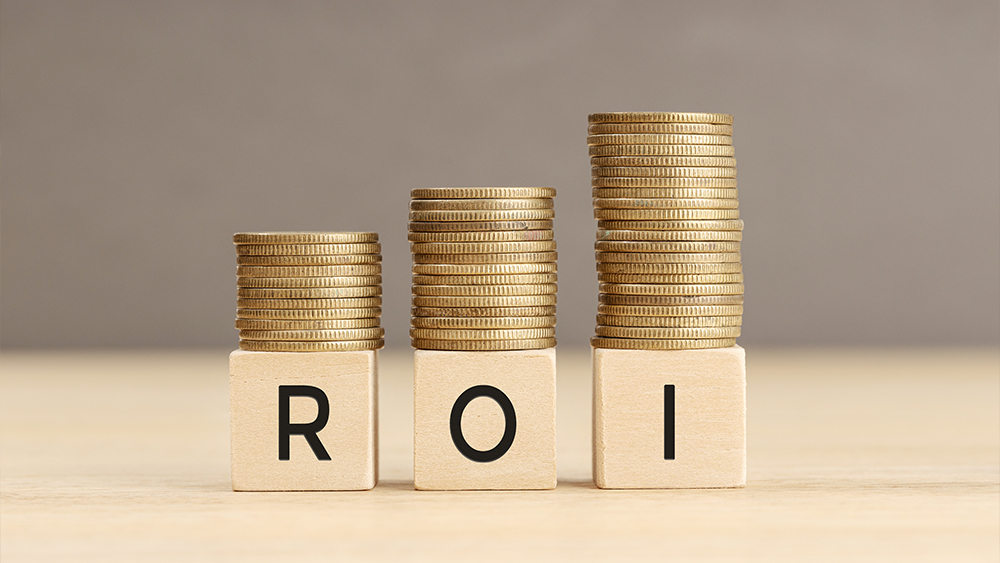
(860, 455)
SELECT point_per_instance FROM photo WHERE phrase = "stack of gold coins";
(309, 292)
(484, 269)
(669, 232)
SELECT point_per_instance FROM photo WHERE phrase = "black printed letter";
(308, 431)
(510, 423)
(668, 422)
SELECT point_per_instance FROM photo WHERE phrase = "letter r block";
(484, 420)
(669, 418)
(303, 421)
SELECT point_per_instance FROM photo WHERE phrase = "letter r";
(310, 430)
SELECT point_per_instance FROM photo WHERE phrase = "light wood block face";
(484, 420)
(303, 421)
(635, 434)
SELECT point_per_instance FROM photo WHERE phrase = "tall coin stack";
(668, 231)
(309, 292)
(484, 269)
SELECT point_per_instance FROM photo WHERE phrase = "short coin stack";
(484, 269)
(309, 292)
(668, 232)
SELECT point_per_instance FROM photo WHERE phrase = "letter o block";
(484, 420)
(303, 421)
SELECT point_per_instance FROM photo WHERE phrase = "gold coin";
(306, 249)
(671, 289)
(662, 172)
(671, 310)
(497, 312)
(670, 278)
(309, 314)
(466, 226)
(319, 324)
(308, 292)
(612, 234)
(328, 260)
(677, 344)
(314, 335)
(482, 247)
(727, 225)
(484, 269)
(659, 128)
(292, 346)
(659, 117)
(667, 332)
(654, 139)
(666, 246)
(492, 323)
(482, 236)
(668, 257)
(669, 300)
(347, 303)
(515, 258)
(342, 281)
(483, 215)
(680, 193)
(304, 238)
(481, 334)
(522, 279)
(346, 270)
(484, 301)
(478, 204)
(665, 214)
(669, 322)
(664, 203)
(481, 193)
(662, 150)
(719, 161)
(483, 290)
(483, 345)
(619, 182)
(698, 268)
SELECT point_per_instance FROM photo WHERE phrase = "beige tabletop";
(860, 455)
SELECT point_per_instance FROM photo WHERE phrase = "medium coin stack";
(484, 269)
(668, 231)
(309, 292)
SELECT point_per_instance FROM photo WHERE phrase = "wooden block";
(484, 420)
(303, 421)
(639, 445)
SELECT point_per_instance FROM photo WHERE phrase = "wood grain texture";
(860, 455)
(707, 419)
(526, 382)
(346, 382)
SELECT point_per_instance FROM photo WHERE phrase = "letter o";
(510, 423)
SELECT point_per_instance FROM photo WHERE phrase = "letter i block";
(303, 421)
(484, 420)
(669, 418)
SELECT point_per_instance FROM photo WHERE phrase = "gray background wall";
(136, 137)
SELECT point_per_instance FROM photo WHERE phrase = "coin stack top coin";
(669, 230)
(309, 292)
(484, 269)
